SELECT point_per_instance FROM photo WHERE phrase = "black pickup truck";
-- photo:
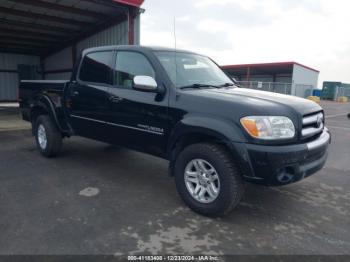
(182, 107)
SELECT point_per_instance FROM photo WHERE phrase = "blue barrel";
(317, 92)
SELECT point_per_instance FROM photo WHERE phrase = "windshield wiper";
(227, 85)
(198, 86)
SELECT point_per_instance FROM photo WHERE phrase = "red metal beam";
(28, 14)
(131, 27)
(61, 8)
(307, 67)
(136, 3)
(258, 65)
(248, 74)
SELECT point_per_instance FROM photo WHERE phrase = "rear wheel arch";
(38, 110)
(44, 106)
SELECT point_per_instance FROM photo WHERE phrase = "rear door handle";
(74, 93)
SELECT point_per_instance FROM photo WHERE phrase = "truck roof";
(135, 48)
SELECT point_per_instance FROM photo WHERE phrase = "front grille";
(313, 125)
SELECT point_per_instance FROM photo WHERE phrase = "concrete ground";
(99, 199)
(10, 119)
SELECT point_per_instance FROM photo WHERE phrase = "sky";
(312, 32)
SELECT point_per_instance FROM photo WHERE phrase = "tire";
(227, 181)
(46, 130)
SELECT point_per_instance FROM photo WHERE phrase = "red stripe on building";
(268, 65)
(136, 3)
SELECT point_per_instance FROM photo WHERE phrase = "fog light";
(285, 175)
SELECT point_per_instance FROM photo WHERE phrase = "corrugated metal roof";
(41, 27)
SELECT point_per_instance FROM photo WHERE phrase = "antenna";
(175, 53)
(175, 31)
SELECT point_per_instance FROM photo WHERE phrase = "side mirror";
(145, 83)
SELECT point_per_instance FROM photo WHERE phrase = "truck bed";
(33, 85)
(30, 90)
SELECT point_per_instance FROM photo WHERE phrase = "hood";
(303, 106)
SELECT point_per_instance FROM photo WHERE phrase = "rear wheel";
(208, 180)
(48, 137)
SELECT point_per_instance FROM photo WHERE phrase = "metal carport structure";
(290, 78)
(41, 39)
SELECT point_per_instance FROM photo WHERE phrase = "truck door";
(137, 119)
(88, 104)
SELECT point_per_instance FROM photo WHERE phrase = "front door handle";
(115, 99)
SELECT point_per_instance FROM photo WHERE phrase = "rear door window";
(96, 68)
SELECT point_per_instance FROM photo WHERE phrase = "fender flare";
(46, 103)
(224, 130)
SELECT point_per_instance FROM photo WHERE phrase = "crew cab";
(181, 106)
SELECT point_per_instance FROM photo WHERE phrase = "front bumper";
(281, 165)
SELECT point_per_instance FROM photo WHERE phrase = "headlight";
(269, 127)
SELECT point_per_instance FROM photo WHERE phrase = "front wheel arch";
(190, 138)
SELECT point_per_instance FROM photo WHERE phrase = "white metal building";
(42, 39)
(284, 77)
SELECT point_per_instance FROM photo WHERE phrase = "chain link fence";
(303, 91)
(279, 87)
(341, 91)
(282, 88)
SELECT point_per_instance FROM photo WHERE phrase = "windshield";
(191, 69)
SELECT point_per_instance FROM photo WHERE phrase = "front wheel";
(208, 180)
(47, 136)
